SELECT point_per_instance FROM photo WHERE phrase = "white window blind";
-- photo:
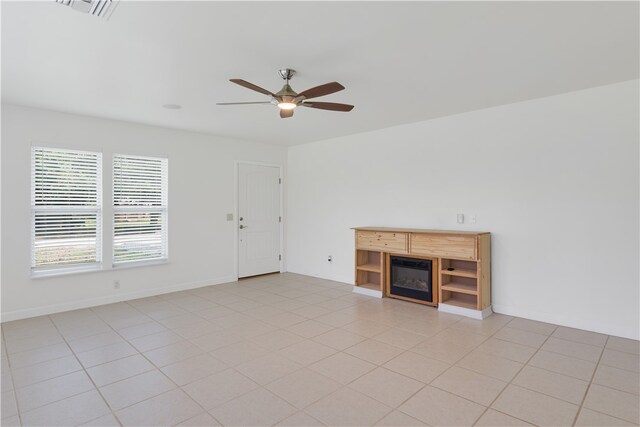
(66, 209)
(139, 209)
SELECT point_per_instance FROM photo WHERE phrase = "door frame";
(236, 210)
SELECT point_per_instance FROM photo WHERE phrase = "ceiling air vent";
(101, 8)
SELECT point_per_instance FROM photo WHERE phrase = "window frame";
(162, 209)
(35, 210)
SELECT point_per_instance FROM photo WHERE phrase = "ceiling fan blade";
(285, 114)
(321, 90)
(251, 86)
(242, 103)
(328, 106)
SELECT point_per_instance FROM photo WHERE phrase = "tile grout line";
(311, 416)
(397, 408)
(228, 367)
(89, 376)
(13, 383)
(86, 373)
(454, 364)
(158, 369)
(73, 354)
(446, 370)
(344, 311)
(608, 415)
(593, 375)
(442, 373)
(510, 382)
(616, 389)
(264, 387)
(44, 361)
(602, 349)
(20, 412)
(342, 386)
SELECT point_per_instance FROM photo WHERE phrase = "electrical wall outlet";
(116, 284)
(230, 217)
(460, 218)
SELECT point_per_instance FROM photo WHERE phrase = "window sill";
(134, 264)
(43, 274)
(40, 274)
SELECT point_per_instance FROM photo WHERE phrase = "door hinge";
(279, 180)
(280, 257)
(279, 219)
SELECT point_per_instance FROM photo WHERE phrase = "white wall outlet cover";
(473, 219)
(230, 217)
(460, 218)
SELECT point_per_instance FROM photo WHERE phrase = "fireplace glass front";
(411, 277)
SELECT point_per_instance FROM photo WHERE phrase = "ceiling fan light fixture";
(287, 105)
(286, 101)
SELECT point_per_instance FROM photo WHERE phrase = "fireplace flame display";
(417, 284)
(411, 278)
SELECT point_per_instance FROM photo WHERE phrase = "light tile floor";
(287, 349)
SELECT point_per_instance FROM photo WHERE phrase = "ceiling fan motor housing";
(287, 91)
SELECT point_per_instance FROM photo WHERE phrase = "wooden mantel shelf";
(461, 265)
(419, 230)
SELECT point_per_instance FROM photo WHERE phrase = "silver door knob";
(242, 226)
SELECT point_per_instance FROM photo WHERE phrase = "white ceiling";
(401, 62)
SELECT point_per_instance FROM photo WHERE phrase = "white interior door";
(258, 219)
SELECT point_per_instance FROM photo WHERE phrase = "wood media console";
(447, 269)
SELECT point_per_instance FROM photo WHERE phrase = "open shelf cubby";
(459, 283)
(460, 300)
(369, 261)
(369, 280)
(369, 269)
(462, 285)
(459, 268)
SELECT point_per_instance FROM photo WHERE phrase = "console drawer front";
(382, 241)
(461, 247)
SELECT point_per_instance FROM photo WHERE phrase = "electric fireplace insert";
(411, 278)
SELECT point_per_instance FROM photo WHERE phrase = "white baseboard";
(568, 321)
(474, 314)
(335, 278)
(368, 292)
(558, 318)
(109, 299)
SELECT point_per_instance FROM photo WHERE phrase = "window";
(66, 209)
(139, 209)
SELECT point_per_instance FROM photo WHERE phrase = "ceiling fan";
(287, 99)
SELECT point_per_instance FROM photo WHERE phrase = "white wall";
(555, 180)
(201, 193)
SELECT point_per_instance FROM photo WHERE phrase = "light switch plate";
(230, 217)
(460, 218)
